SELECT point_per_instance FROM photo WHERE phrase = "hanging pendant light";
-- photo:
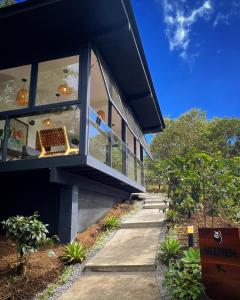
(101, 114)
(22, 94)
(63, 88)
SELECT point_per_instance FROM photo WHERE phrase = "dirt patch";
(43, 268)
(89, 236)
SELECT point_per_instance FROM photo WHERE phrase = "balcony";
(107, 147)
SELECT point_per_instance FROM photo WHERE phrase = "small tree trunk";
(212, 221)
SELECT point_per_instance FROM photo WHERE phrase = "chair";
(54, 142)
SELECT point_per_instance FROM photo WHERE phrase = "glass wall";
(99, 139)
(99, 97)
(58, 80)
(113, 92)
(14, 88)
(54, 133)
(116, 123)
(104, 144)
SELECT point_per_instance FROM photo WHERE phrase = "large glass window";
(115, 97)
(50, 134)
(58, 80)
(104, 145)
(116, 123)
(130, 140)
(99, 97)
(14, 88)
(99, 139)
(138, 150)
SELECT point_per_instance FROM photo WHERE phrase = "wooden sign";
(220, 260)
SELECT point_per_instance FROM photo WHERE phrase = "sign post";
(220, 260)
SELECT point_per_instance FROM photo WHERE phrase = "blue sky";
(193, 51)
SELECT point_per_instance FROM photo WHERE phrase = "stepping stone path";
(124, 268)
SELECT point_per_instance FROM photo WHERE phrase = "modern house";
(76, 98)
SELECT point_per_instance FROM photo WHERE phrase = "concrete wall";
(68, 203)
(92, 206)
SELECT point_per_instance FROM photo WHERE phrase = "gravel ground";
(78, 268)
(161, 268)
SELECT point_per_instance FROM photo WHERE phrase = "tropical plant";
(111, 223)
(29, 233)
(183, 282)
(170, 249)
(191, 256)
(74, 252)
(183, 278)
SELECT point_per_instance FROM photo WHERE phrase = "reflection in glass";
(108, 148)
(99, 139)
(115, 97)
(14, 88)
(99, 97)
(44, 135)
(116, 123)
(58, 80)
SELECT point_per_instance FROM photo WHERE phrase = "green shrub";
(74, 253)
(191, 256)
(29, 233)
(183, 279)
(111, 223)
(170, 249)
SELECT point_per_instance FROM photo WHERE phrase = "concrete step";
(154, 201)
(114, 286)
(153, 206)
(130, 250)
(144, 219)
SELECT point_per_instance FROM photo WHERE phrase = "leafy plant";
(74, 253)
(170, 249)
(183, 282)
(29, 233)
(191, 256)
(111, 223)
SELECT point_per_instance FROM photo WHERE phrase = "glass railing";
(108, 148)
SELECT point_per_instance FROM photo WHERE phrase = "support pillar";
(68, 213)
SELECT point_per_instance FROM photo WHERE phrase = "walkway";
(124, 268)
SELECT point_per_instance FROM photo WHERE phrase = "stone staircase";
(129, 256)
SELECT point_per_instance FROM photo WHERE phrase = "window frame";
(32, 108)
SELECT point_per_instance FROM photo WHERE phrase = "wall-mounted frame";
(18, 135)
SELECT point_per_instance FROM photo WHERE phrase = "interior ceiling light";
(22, 94)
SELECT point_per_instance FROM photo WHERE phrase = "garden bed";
(45, 267)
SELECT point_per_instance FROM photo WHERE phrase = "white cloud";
(179, 23)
